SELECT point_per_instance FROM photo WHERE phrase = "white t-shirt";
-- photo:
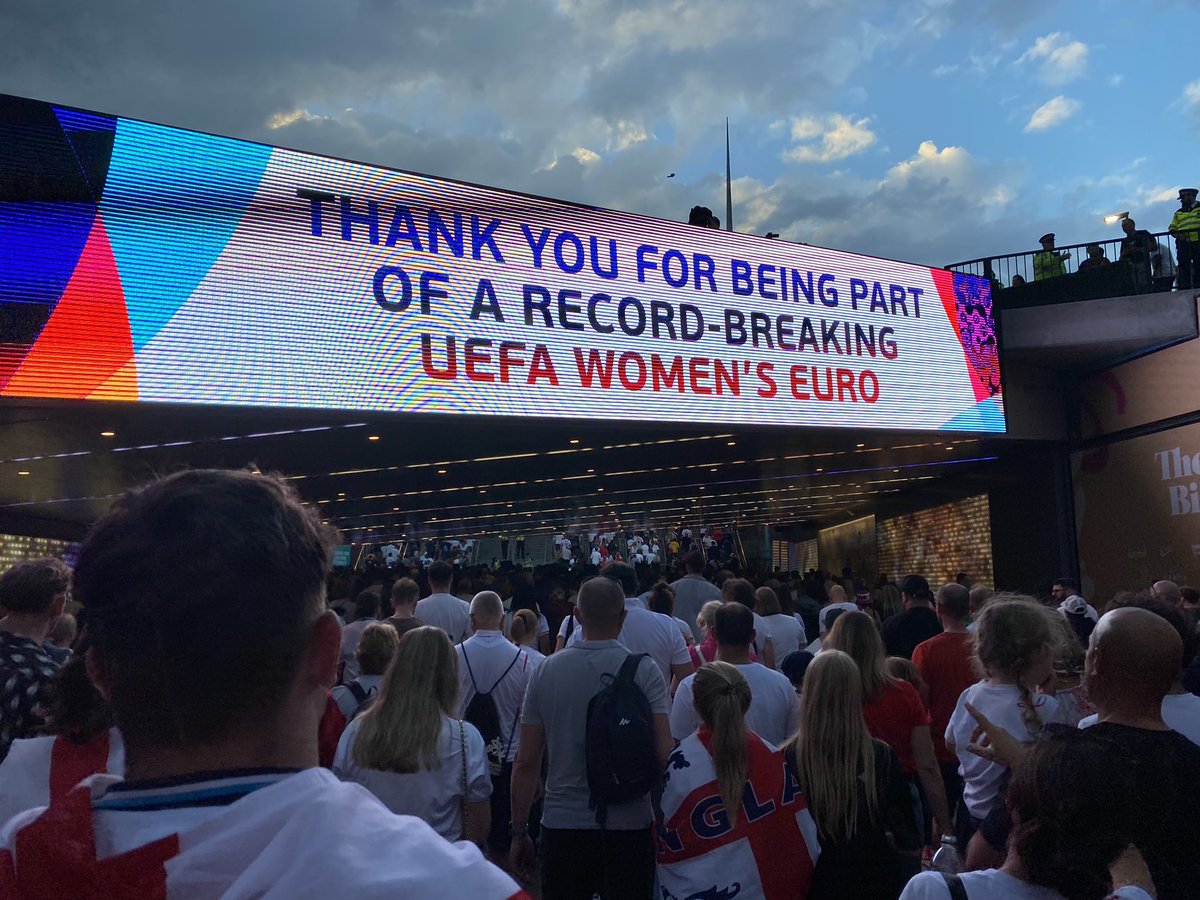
(786, 634)
(434, 795)
(595, 557)
(774, 713)
(344, 697)
(648, 632)
(489, 656)
(993, 884)
(1001, 703)
(448, 613)
(762, 634)
(1180, 711)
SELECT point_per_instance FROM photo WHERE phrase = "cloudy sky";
(927, 130)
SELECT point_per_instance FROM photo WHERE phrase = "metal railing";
(1015, 284)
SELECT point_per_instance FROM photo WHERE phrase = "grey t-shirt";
(557, 699)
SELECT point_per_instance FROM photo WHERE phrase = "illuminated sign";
(140, 262)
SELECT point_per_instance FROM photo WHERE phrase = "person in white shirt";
(646, 632)
(1014, 648)
(523, 632)
(409, 748)
(441, 608)
(489, 664)
(739, 590)
(366, 611)
(787, 632)
(222, 795)
(595, 557)
(774, 712)
(1069, 839)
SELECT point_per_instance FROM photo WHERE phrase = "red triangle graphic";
(87, 339)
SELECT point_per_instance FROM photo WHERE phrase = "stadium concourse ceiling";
(391, 476)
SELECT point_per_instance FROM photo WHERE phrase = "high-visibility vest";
(1048, 264)
(1186, 223)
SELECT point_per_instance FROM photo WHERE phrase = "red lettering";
(473, 356)
(697, 369)
(508, 362)
(542, 366)
(594, 368)
(666, 378)
(450, 372)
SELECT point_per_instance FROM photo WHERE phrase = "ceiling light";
(108, 434)
(949, 446)
(483, 492)
(599, 489)
(590, 471)
(372, 437)
(574, 440)
(26, 473)
(731, 444)
(860, 446)
(441, 471)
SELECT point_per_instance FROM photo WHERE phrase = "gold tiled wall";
(17, 547)
(939, 542)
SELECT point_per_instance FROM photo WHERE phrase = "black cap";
(795, 664)
(1183, 191)
(915, 586)
(1048, 236)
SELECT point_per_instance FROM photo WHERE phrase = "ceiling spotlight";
(441, 471)
(949, 446)
(108, 434)
(23, 472)
(860, 446)
(372, 437)
(731, 444)
(574, 440)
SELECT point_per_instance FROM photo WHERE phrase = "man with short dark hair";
(693, 590)
(405, 594)
(33, 593)
(774, 712)
(918, 622)
(580, 859)
(739, 590)
(211, 642)
(944, 661)
(646, 632)
(441, 608)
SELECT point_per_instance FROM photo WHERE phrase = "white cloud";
(284, 119)
(828, 138)
(585, 156)
(1191, 94)
(1115, 80)
(943, 70)
(1052, 112)
(1149, 196)
(1061, 59)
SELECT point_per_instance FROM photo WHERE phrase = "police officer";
(1185, 227)
(1047, 263)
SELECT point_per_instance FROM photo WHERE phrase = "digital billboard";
(142, 262)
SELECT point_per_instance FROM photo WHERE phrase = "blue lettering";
(485, 238)
(740, 272)
(382, 274)
(754, 809)
(453, 240)
(370, 218)
(569, 267)
(644, 265)
(536, 245)
(709, 819)
(315, 200)
(858, 291)
(675, 256)
(403, 228)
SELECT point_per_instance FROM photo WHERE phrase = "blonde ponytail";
(721, 697)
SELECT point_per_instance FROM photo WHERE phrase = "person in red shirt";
(944, 661)
(895, 715)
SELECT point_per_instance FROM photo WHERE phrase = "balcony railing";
(1117, 279)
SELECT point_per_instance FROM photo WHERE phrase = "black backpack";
(482, 713)
(364, 698)
(621, 752)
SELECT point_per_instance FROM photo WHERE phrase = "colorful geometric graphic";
(140, 262)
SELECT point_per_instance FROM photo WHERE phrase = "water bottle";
(947, 859)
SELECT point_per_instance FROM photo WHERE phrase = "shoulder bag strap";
(955, 886)
(462, 744)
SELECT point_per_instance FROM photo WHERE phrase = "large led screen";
(141, 262)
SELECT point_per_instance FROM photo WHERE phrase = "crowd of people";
(219, 727)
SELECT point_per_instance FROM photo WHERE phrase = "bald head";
(1166, 591)
(953, 602)
(837, 594)
(487, 611)
(1133, 660)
